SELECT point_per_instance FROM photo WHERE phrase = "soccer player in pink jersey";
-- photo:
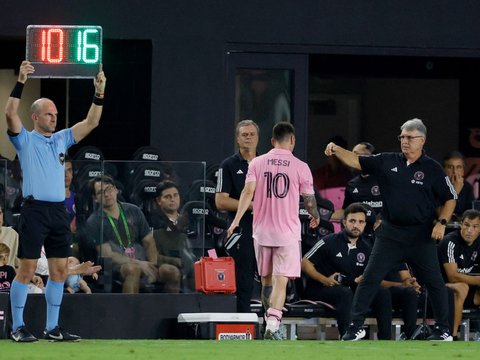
(278, 179)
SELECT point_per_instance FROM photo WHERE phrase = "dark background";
(166, 60)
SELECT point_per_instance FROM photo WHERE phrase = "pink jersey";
(280, 179)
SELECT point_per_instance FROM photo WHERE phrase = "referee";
(413, 185)
(44, 220)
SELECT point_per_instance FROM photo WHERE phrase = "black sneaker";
(354, 333)
(22, 335)
(440, 334)
(58, 334)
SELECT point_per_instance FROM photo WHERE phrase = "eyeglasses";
(408, 137)
(108, 190)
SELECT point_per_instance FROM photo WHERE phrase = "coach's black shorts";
(44, 223)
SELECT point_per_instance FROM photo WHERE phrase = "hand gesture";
(176, 262)
(37, 281)
(314, 222)
(330, 149)
(88, 268)
(100, 81)
(232, 227)
(331, 280)
(457, 181)
(26, 68)
(149, 270)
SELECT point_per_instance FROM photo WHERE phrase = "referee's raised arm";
(14, 123)
(83, 128)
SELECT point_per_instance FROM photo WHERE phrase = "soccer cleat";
(273, 335)
(22, 335)
(58, 334)
(354, 333)
(440, 334)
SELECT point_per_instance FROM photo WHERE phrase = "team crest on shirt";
(360, 259)
(474, 256)
(323, 231)
(323, 211)
(61, 158)
(375, 190)
(418, 177)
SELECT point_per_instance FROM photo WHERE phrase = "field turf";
(263, 350)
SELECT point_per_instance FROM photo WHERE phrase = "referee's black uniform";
(231, 180)
(411, 194)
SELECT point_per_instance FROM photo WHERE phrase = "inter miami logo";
(474, 256)
(324, 211)
(323, 231)
(361, 257)
(419, 175)
(375, 190)
(61, 158)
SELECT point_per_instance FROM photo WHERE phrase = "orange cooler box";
(215, 275)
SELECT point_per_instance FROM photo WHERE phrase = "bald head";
(38, 105)
(44, 116)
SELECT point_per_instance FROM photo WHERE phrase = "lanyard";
(125, 225)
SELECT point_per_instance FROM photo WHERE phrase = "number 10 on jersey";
(277, 185)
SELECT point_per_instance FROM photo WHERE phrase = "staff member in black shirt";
(335, 266)
(412, 185)
(454, 167)
(230, 183)
(458, 253)
(363, 188)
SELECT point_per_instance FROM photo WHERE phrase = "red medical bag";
(215, 275)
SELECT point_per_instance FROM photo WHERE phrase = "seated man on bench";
(458, 253)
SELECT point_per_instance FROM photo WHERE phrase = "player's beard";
(353, 234)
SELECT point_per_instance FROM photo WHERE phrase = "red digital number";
(52, 39)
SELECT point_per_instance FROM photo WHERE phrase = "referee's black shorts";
(44, 223)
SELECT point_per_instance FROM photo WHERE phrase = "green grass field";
(264, 350)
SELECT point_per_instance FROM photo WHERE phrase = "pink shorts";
(280, 260)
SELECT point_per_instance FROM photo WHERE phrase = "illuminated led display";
(64, 51)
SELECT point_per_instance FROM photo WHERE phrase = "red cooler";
(215, 275)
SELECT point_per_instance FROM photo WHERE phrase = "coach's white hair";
(415, 124)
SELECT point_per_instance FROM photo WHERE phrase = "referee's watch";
(443, 221)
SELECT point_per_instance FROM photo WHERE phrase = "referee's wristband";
(97, 100)
(17, 90)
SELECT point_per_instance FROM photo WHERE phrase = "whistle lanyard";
(125, 225)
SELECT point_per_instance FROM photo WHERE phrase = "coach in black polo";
(413, 186)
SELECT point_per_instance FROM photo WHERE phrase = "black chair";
(147, 153)
(88, 153)
(211, 173)
(202, 190)
(145, 171)
(200, 226)
(140, 156)
(143, 195)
